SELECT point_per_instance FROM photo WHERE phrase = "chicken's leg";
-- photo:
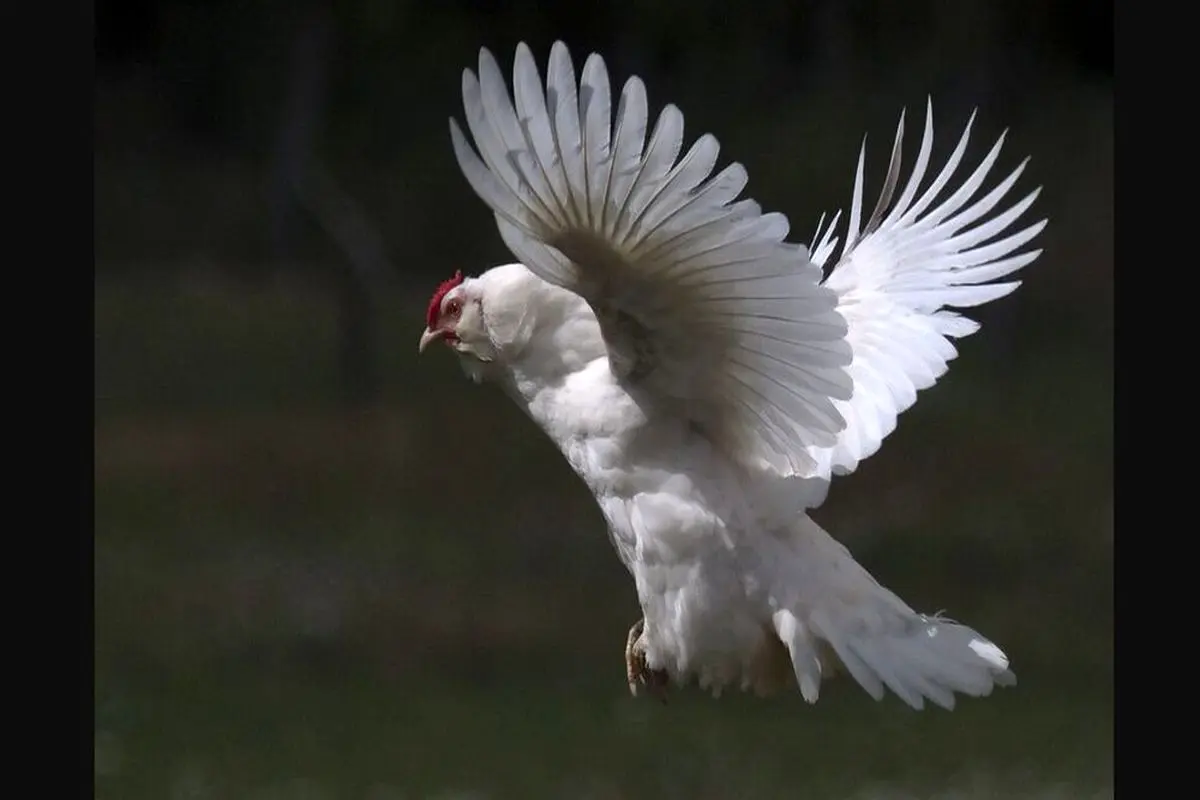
(637, 672)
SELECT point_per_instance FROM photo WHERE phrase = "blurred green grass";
(542, 732)
(418, 599)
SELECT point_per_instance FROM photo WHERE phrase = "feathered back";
(535, 324)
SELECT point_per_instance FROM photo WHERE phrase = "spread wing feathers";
(699, 299)
(896, 279)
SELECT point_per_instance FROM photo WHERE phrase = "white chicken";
(705, 381)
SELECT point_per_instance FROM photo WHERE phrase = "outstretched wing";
(700, 300)
(897, 279)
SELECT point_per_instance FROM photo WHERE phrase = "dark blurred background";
(325, 569)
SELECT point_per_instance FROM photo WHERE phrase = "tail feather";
(875, 636)
(930, 658)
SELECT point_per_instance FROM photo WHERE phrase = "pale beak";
(427, 337)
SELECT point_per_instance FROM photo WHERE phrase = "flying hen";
(706, 381)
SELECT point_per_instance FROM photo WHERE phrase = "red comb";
(435, 302)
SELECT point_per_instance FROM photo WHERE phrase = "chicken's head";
(490, 320)
(454, 315)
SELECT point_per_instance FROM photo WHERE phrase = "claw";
(638, 674)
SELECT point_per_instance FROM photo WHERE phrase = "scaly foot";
(637, 672)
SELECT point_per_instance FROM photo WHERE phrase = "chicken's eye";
(453, 308)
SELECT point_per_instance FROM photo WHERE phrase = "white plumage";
(706, 383)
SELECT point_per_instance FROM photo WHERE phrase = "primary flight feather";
(706, 382)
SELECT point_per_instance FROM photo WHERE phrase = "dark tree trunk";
(298, 179)
(303, 110)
